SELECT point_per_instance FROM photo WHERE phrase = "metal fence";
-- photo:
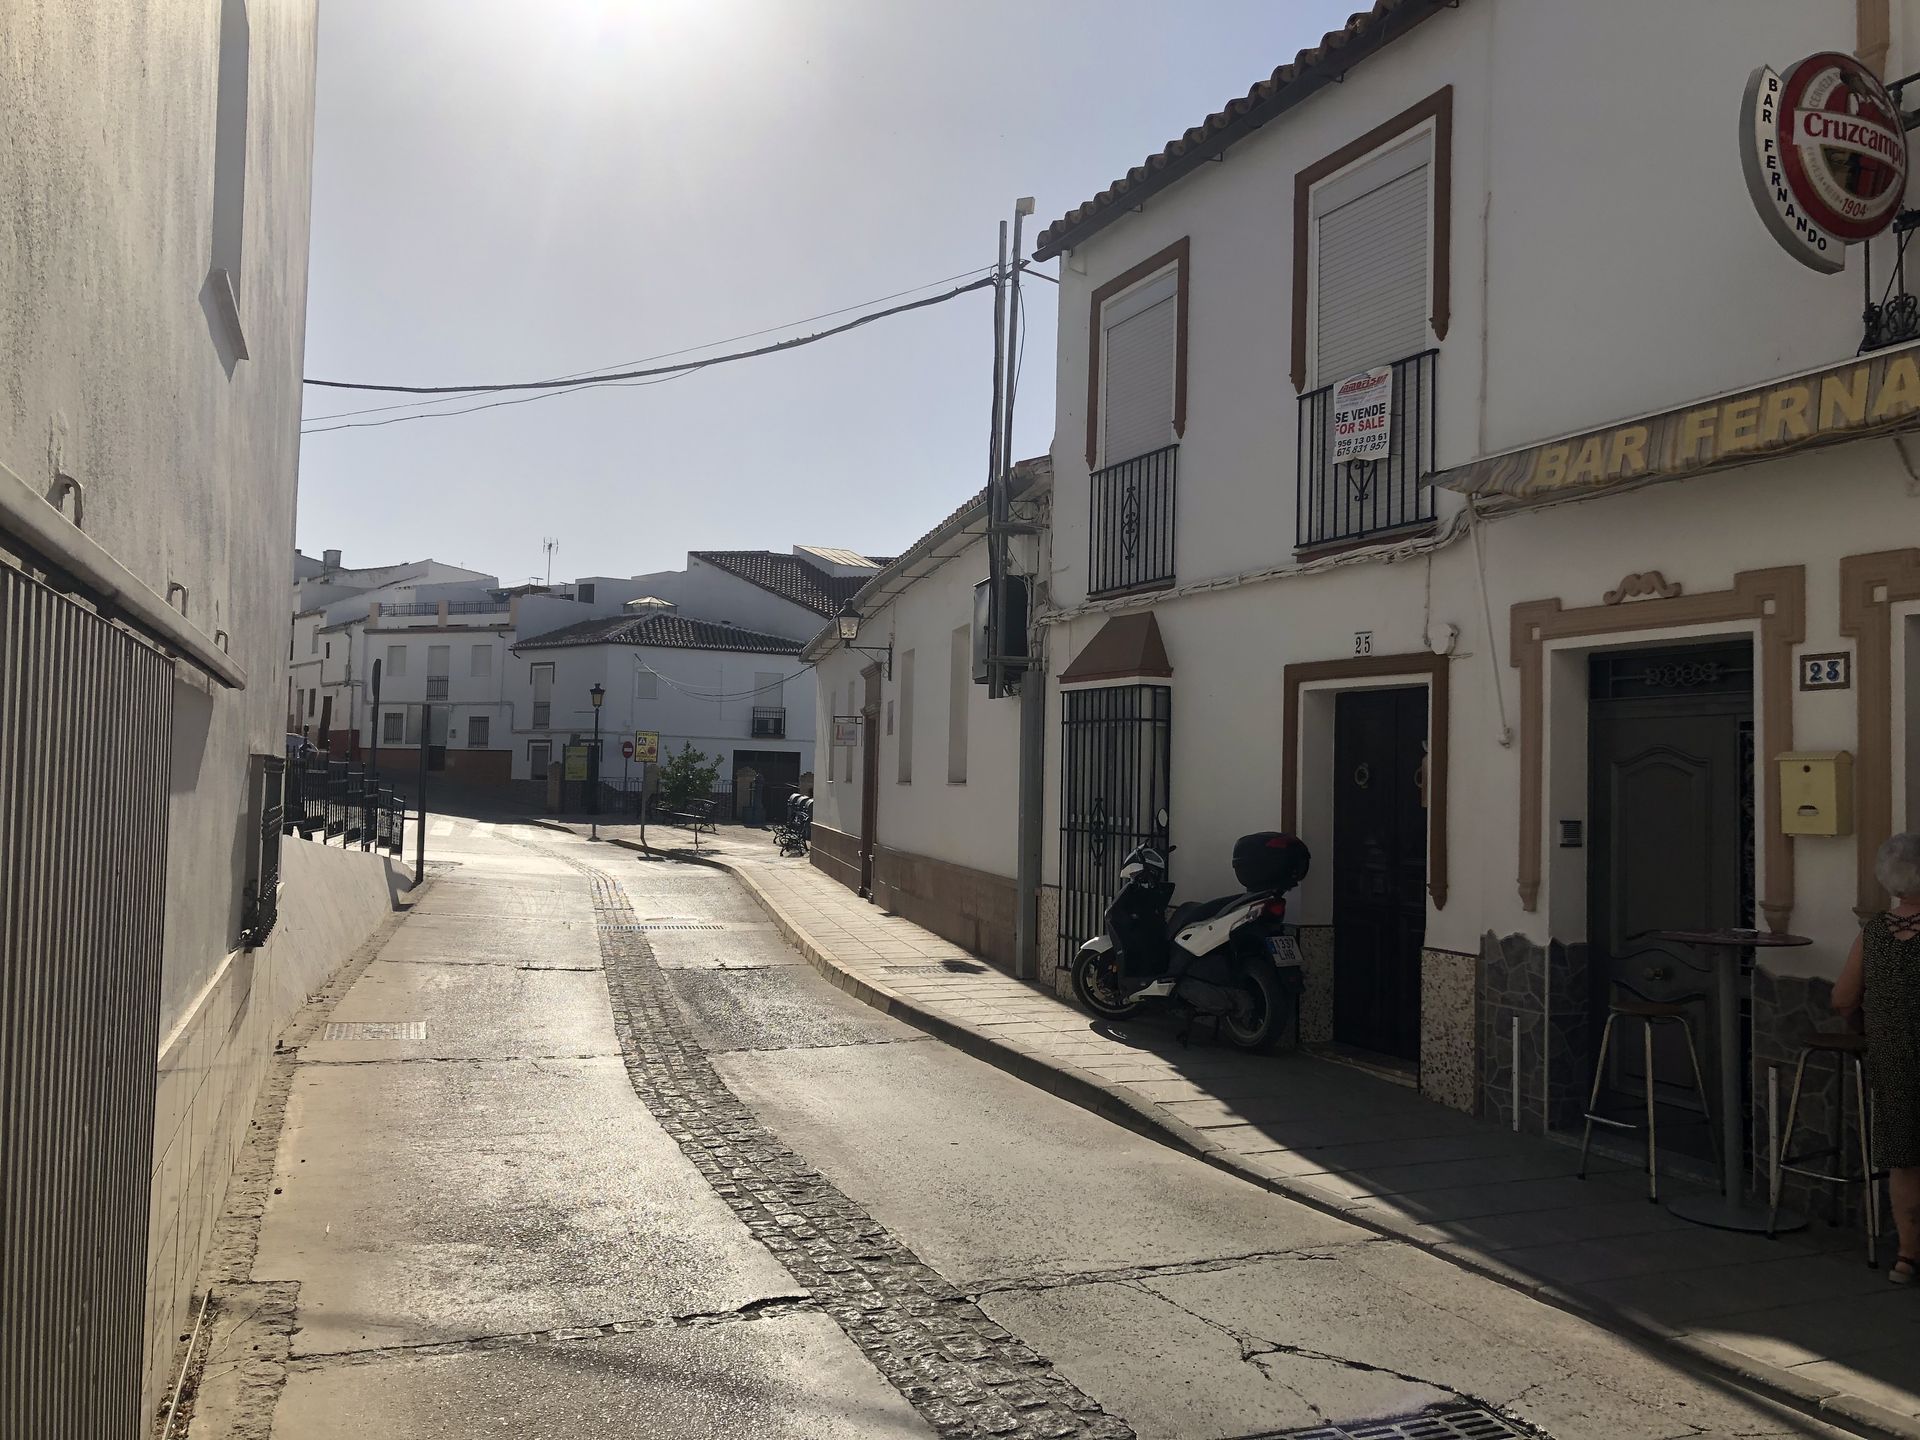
(1116, 747)
(1353, 499)
(1130, 524)
(85, 712)
(344, 800)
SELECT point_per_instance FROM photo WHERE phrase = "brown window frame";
(1437, 107)
(1177, 254)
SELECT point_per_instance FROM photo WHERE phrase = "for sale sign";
(1363, 416)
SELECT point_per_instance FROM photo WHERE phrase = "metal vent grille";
(1446, 1422)
(669, 925)
(375, 1030)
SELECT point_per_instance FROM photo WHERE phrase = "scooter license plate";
(1284, 949)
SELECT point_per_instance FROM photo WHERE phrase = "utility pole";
(996, 569)
(420, 833)
(1028, 679)
(373, 751)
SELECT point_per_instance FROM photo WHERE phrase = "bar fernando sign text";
(1858, 398)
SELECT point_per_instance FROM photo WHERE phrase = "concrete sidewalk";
(1801, 1316)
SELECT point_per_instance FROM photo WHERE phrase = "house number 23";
(1826, 672)
(1363, 642)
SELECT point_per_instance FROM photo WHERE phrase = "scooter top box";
(1270, 860)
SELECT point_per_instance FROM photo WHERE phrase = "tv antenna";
(549, 545)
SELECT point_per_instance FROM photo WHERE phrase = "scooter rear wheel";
(1259, 1012)
(1096, 982)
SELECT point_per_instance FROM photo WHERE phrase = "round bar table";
(1730, 1210)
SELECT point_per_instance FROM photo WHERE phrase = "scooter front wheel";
(1096, 985)
(1259, 1010)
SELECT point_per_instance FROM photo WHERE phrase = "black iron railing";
(1352, 499)
(324, 798)
(1115, 757)
(1130, 524)
(436, 687)
(412, 607)
(477, 607)
(260, 902)
(769, 722)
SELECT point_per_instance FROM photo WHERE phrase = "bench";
(694, 815)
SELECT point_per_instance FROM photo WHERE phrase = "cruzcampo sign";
(1861, 397)
(1825, 155)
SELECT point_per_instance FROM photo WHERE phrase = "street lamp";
(599, 694)
(848, 623)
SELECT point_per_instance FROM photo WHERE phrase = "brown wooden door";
(869, 777)
(1379, 868)
(1669, 761)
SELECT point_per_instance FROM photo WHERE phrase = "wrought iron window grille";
(1130, 524)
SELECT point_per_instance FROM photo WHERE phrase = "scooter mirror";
(1161, 817)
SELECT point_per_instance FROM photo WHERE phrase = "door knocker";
(1363, 775)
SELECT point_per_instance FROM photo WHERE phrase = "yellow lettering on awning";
(1550, 470)
(1696, 426)
(1843, 398)
(1739, 424)
(1785, 416)
(1628, 452)
(1899, 389)
(1587, 462)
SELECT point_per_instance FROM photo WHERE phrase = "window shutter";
(1137, 368)
(1371, 258)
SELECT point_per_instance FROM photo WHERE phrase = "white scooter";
(1233, 958)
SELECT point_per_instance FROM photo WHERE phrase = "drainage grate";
(669, 925)
(1443, 1422)
(375, 1030)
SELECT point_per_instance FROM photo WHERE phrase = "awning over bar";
(1874, 394)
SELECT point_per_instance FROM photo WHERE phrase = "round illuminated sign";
(1825, 156)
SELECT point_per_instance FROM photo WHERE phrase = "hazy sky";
(514, 189)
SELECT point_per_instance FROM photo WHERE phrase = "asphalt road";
(647, 1174)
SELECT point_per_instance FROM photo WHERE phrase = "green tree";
(690, 775)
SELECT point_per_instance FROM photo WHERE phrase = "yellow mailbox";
(1816, 792)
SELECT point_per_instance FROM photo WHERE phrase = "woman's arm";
(1850, 988)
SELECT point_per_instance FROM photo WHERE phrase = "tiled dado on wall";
(212, 1066)
(973, 909)
(837, 853)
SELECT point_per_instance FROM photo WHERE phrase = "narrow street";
(584, 1149)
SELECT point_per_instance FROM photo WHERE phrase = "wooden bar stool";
(1635, 1006)
(1847, 1050)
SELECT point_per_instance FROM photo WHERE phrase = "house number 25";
(1363, 642)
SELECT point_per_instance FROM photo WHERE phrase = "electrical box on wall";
(1816, 792)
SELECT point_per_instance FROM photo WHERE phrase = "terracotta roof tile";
(669, 632)
(1338, 50)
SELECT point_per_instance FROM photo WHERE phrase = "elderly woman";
(1882, 976)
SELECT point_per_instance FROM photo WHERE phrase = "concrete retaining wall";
(212, 1064)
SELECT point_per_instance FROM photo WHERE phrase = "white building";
(917, 807)
(741, 697)
(1516, 734)
(153, 275)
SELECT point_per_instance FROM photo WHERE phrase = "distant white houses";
(703, 655)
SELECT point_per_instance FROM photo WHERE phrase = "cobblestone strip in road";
(965, 1375)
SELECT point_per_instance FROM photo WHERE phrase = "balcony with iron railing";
(1130, 524)
(436, 687)
(769, 722)
(542, 714)
(1344, 501)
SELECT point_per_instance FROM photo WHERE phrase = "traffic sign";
(646, 746)
(626, 749)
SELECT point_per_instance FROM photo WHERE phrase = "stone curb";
(1114, 1102)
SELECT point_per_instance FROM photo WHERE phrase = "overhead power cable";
(688, 366)
(589, 373)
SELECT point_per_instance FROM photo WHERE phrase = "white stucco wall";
(117, 373)
(971, 824)
(1619, 285)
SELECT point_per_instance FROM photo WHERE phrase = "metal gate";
(1114, 761)
(85, 729)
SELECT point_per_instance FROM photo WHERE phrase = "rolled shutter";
(1371, 259)
(1137, 409)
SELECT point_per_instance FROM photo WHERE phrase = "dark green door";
(1670, 807)
(1379, 868)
